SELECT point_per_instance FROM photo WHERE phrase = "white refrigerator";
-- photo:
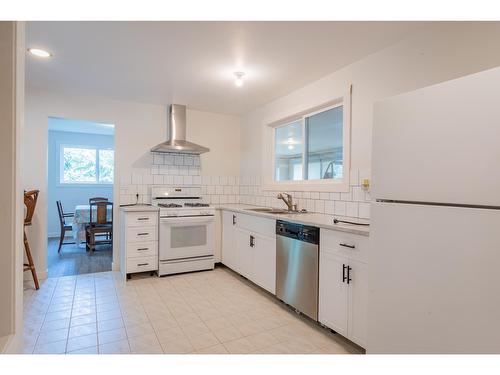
(434, 266)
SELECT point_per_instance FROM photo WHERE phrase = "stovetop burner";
(169, 205)
(196, 205)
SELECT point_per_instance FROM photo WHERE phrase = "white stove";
(186, 230)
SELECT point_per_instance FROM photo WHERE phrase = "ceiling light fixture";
(39, 52)
(239, 79)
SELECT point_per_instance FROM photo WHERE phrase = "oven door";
(186, 237)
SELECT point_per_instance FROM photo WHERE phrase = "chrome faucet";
(287, 198)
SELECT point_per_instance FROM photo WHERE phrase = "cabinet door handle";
(142, 264)
(234, 219)
(344, 278)
(347, 245)
(252, 241)
(349, 274)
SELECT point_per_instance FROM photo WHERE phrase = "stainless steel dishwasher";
(297, 266)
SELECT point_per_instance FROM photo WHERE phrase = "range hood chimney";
(177, 132)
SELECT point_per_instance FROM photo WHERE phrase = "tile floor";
(211, 312)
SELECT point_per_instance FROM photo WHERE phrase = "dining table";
(82, 219)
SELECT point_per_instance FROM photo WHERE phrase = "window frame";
(61, 181)
(331, 185)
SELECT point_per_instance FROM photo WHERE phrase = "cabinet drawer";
(260, 225)
(142, 234)
(142, 219)
(142, 249)
(349, 245)
(142, 264)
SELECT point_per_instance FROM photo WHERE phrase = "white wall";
(440, 53)
(138, 127)
(71, 195)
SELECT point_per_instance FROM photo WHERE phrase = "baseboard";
(42, 275)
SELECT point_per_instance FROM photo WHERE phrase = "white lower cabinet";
(343, 284)
(229, 240)
(138, 241)
(249, 247)
(264, 265)
(244, 253)
(333, 292)
(358, 301)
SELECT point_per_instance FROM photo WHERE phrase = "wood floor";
(74, 260)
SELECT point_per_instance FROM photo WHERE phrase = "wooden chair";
(97, 199)
(99, 225)
(64, 226)
(30, 198)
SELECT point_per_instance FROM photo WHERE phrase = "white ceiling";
(192, 62)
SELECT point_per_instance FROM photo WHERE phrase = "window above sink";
(309, 150)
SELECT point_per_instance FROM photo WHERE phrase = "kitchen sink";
(276, 211)
(268, 210)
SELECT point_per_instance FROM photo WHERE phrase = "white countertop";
(314, 219)
(139, 208)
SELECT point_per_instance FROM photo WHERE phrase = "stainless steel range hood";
(177, 133)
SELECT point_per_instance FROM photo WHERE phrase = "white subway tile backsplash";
(319, 206)
(358, 195)
(340, 208)
(364, 210)
(169, 159)
(188, 160)
(158, 159)
(185, 170)
(179, 160)
(352, 209)
(158, 179)
(329, 207)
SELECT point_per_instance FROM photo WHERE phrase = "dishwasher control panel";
(297, 231)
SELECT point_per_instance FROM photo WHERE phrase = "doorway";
(80, 168)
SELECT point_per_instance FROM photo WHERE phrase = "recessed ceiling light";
(39, 52)
(239, 79)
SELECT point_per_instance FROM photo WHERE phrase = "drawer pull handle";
(142, 264)
(143, 218)
(347, 245)
(143, 248)
(142, 234)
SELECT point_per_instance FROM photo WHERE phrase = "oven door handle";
(191, 219)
